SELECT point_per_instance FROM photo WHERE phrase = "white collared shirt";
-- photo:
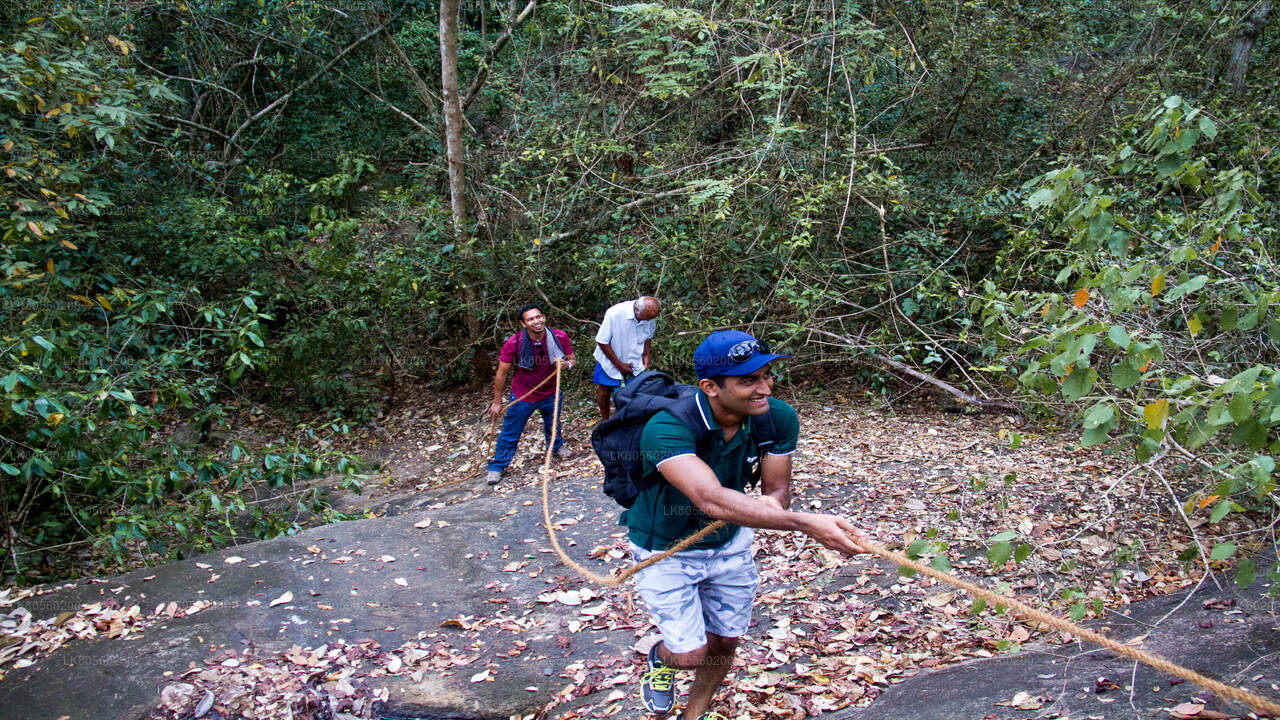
(621, 331)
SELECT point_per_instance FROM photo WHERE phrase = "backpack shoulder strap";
(763, 430)
(686, 411)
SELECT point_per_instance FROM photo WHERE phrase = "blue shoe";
(657, 685)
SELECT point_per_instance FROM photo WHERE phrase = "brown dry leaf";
(287, 597)
(1186, 710)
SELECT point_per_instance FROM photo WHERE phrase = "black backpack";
(617, 440)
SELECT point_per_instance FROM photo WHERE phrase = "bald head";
(647, 307)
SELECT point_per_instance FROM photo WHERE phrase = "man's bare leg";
(711, 664)
(603, 395)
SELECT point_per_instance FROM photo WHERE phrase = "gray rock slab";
(1225, 633)
(449, 570)
(445, 569)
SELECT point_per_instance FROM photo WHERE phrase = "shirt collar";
(704, 409)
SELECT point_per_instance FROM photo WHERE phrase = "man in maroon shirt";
(534, 352)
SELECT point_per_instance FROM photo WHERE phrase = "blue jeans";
(513, 423)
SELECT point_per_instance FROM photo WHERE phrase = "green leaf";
(1251, 433)
(1118, 335)
(10, 469)
(978, 605)
(1228, 318)
(1241, 407)
(1098, 415)
(1222, 551)
(999, 554)
(1188, 287)
(1244, 380)
(1005, 536)
(1078, 383)
(1246, 572)
(1208, 128)
(1022, 553)
(1095, 436)
(39, 340)
(915, 549)
(941, 563)
(1124, 375)
(1040, 198)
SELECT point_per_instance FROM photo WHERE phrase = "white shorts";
(695, 592)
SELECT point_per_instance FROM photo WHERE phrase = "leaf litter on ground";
(829, 631)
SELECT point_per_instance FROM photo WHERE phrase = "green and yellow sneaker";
(657, 685)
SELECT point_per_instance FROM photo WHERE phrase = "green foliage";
(1165, 337)
(986, 193)
(1154, 324)
(102, 358)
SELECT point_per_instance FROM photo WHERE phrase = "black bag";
(617, 440)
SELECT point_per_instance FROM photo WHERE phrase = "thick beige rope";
(1257, 702)
(616, 579)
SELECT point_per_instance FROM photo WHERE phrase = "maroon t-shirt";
(525, 380)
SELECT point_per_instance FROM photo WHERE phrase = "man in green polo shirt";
(700, 599)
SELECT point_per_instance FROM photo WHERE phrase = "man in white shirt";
(622, 346)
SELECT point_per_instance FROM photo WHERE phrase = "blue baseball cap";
(730, 352)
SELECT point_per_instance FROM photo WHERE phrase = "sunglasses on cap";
(744, 350)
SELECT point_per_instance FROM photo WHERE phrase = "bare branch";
(231, 142)
(420, 86)
(494, 49)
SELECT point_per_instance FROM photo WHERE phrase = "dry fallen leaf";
(1186, 710)
(285, 598)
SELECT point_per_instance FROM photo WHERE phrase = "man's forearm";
(499, 384)
(742, 509)
(608, 352)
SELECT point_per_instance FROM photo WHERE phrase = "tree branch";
(231, 142)
(961, 395)
(419, 85)
(494, 49)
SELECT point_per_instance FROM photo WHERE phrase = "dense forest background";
(1065, 207)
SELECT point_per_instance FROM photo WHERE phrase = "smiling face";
(740, 396)
(534, 321)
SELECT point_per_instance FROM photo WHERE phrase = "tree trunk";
(1238, 65)
(453, 145)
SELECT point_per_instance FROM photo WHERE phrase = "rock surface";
(478, 586)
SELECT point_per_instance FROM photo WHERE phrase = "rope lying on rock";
(1257, 702)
